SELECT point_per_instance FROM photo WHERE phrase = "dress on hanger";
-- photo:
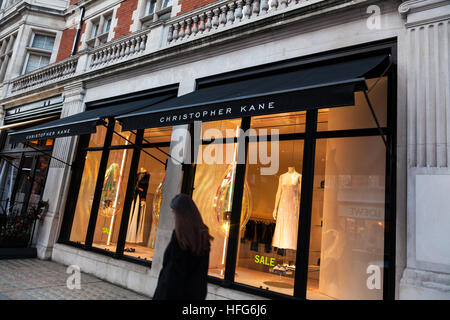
(135, 232)
(286, 228)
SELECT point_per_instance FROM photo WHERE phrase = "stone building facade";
(94, 53)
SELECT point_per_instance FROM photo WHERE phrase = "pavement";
(34, 279)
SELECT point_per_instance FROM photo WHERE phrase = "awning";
(27, 123)
(314, 86)
(84, 122)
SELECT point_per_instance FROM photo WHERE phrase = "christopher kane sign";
(48, 134)
(214, 113)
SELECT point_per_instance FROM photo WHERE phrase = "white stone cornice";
(418, 12)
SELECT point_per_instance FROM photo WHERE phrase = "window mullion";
(235, 219)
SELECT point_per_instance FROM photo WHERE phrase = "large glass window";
(145, 208)
(213, 185)
(145, 195)
(112, 198)
(359, 115)
(346, 254)
(85, 196)
(8, 174)
(268, 243)
(38, 52)
(345, 208)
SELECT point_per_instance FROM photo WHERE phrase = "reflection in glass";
(122, 137)
(347, 223)
(292, 122)
(359, 115)
(220, 129)
(213, 193)
(40, 175)
(8, 174)
(145, 208)
(160, 134)
(97, 139)
(23, 187)
(85, 197)
(111, 202)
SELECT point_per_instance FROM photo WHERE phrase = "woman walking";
(185, 264)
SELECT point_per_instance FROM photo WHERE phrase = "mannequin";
(286, 210)
(135, 232)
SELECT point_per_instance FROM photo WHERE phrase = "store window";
(85, 197)
(113, 192)
(344, 206)
(23, 173)
(359, 115)
(122, 137)
(347, 221)
(268, 244)
(146, 205)
(107, 205)
(214, 181)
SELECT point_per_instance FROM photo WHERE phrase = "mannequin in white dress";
(286, 210)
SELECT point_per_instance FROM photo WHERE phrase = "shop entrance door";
(22, 182)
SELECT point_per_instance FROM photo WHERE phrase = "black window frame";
(77, 169)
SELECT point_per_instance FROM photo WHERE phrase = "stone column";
(172, 186)
(427, 272)
(58, 177)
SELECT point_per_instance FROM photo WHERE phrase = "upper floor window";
(38, 52)
(107, 24)
(150, 7)
(155, 10)
(167, 3)
(99, 30)
(43, 42)
(6, 50)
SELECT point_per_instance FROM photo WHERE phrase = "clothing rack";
(261, 219)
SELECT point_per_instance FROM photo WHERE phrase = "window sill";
(38, 50)
(155, 16)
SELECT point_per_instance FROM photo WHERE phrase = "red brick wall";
(73, 2)
(124, 17)
(65, 47)
(83, 29)
(188, 5)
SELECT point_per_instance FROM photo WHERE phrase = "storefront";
(307, 211)
(24, 165)
(292, 166)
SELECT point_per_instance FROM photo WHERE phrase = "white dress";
(286, 228)
(135, 232)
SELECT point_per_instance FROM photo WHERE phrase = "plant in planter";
(18, 229)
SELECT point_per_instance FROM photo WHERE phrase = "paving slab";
(34, 279)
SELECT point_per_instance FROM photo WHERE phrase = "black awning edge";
(84, 122)
(62, 130)
(316, 86)
(337, 95)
